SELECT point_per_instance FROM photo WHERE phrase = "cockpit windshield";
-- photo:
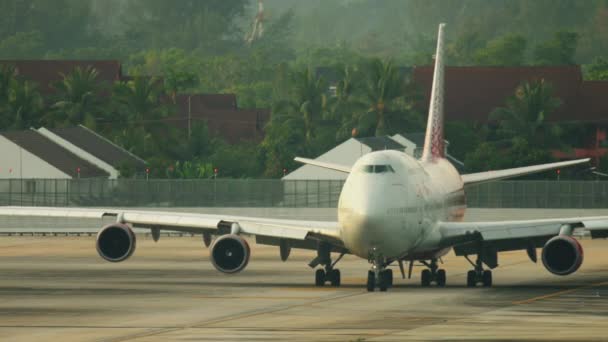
(376, 169)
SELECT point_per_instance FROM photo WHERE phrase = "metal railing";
(171, 193)
(276, 193)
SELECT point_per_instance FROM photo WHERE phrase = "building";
(222, 116)
(472, 93)
(65, 153)
(224, 119)
(45, 73)
(352, 149)
(95, 149)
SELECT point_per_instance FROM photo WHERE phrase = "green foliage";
(237, 161)
(346, 106)
(22, 45)
(190, 169)
(187, 24)
(281, 143)
(598, 70)
(126, 170)
(508, 50)
(198, 46)
(20, 103)
(560, 50)
(138, 111)
(526, 113)
(77, 99)
(464, 137)
(178, 67)
(490, 156)
(464, 48)
(384, 88)
(306, 106)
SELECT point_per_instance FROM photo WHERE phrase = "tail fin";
(433, 141)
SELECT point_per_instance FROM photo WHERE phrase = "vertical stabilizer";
(433, 141)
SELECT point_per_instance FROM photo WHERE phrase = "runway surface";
(57, 288)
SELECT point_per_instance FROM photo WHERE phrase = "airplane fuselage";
(391, 202)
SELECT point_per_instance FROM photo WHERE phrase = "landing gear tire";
(471, 279)
(371, 281)
(334, 278)
(388, 277)
(440, 278)
(320, 278)
(425, 278)
(486, 278)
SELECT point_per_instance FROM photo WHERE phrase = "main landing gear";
(379, 276)
(432, 274)
(478, 275)
(328, 273)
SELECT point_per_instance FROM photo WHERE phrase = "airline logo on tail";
(433, 141)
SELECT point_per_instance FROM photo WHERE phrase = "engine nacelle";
(230, 253)
(115, 242)
(562, 255)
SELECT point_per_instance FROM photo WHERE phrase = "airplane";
(393, 208)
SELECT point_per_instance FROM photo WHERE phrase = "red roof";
(47, 72)
(222, 116)
(200, 102)
(594, 101)
(472, 93)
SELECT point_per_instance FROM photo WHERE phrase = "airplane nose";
(363, 223)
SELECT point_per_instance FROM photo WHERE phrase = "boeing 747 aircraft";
(393, 209)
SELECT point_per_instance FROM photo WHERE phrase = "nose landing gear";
(432, 274)
(379, 276)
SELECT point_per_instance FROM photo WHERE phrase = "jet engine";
(562, 255)
(115, 242)
(230, 253)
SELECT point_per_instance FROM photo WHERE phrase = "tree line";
(196, 46)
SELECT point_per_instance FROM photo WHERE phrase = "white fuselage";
(391, 202)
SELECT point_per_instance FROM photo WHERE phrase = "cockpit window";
(376, 169)
(367, 168)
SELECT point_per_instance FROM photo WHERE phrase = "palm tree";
(307, 104)
(6, 79)
(384, 86)
(526, 112)
(139, 113)
(78, 99)
(7, 75)
(23, 105)
(346, 104)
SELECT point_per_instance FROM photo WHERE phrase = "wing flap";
(482, 177)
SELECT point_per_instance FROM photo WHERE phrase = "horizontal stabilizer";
(330, 166)
(482, 177)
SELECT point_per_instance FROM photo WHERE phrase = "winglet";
(433, 140)
(330, 166)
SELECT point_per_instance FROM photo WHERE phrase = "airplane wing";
(303, 234)
(325, 165)
(467, 237)
(482, 177)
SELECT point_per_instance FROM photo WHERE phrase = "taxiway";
(57, 288)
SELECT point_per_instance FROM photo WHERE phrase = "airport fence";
(276, 193)
(171, 193)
